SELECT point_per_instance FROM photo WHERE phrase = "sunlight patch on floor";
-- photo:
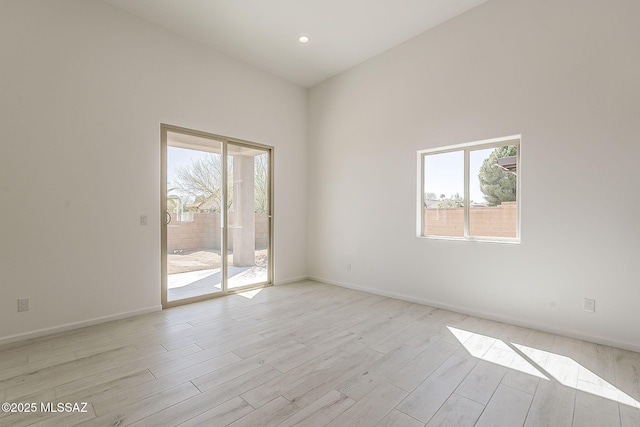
(570, 373)
(250, 294)
(540, 363)
(495, 351)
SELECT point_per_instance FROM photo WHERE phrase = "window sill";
(508, 241)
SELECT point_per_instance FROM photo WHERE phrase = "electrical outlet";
(590, 305)
(23, 304)
(143, 220)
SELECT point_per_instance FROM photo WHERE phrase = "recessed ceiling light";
(303, 39)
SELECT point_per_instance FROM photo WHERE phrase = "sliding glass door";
(216, 201)
(248, 217)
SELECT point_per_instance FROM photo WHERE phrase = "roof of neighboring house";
(509, 164)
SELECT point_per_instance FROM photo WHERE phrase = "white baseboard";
(488, 316)
(464, 310)
(291, 280)
(77, 325)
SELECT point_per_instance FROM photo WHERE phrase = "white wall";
(565, 76)
(83, 89)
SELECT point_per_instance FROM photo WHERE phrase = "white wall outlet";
(23, 304)
(143, 220)
(590, 305)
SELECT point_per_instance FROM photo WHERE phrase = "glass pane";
(492, 190)
(248, 216)
(194, 238)
(444, 194)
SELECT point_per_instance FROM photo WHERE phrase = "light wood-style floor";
(311, 354)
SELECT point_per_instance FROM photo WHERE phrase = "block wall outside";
(495, 221)
(204, 233)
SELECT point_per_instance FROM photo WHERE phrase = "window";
(471, 191)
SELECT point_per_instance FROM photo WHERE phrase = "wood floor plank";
(210, 400)
(51, 419)
(26, 418)
(271, 414)
(379, 328)
(415, 328)
(358, 386)
(41, 379)
(73, 419)
(520, 381)
(221, 415)
(170, 366)
(439, 323)
(514, 334)
(113, 402)
(423, 365)
(228, 343)
(396, 418)
(321, 412)
(594, 411)
(138, 410)
(508, 407)
(429, 396)
(235, 386)
(325, 327)
(552, 404)
(310, 352)
(264, 393)
(12, 361)
(482, 382)
(110, 388)
(183, 411)
(254, 348)
(597, 364)
(227, 373)
(317, 384)
(629, 416)
(59, 355)
(313, 354)
(126, 370)
(217, 332)
(563, 361)
(42, 365)
(372, 408)
(457, 411)
(277, 351)
(627, 368)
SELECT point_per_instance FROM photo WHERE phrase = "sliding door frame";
(225, 140)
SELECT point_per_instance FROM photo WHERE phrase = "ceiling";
(264, 33)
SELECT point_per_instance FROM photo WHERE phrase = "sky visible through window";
(444, 174)
(178, 157)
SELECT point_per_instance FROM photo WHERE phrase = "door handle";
(169, 219)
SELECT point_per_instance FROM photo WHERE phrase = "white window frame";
(467, 148)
